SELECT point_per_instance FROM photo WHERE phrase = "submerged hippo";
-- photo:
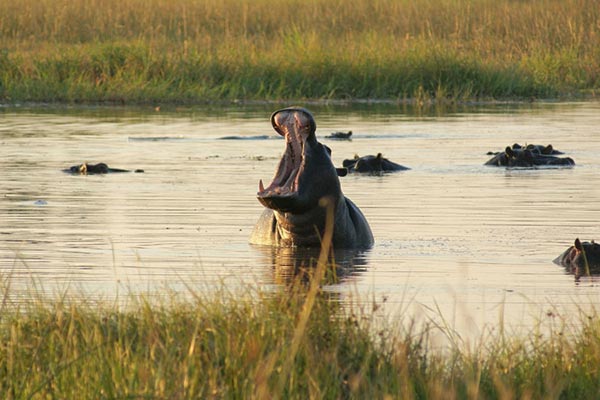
(340, 135)
(304, 177)
(534, 148)
(372, 164)
(525, 158)
(100, 168)
(575, 257)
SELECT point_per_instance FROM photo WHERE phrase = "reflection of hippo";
(574, 258)
(340, 135)
(518, 157)
(91, 169)
(293, 264)
(372, 164)
(304, 177)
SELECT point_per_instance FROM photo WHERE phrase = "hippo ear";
(578, 244)
(379, 156)
(509, 152)
(548, 149)
(342, 171)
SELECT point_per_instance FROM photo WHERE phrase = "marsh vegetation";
(294, 344)
(181, 51)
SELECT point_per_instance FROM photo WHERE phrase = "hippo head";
(519, 157)
(305, 173)
(581, 259)
(88, 169)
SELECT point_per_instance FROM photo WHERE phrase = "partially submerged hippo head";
(534, 148)
(340, 135)
(528, 157)
(86, 169)
(93, 169)
(574, 259)
(538, 149)
(372, 164)
(305, 173)
(304, 178)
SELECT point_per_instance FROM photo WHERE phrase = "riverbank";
(184, 52)
(292, 344)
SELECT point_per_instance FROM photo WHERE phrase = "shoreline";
(580, 98)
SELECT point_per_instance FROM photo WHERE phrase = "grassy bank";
(179, 51)
(244, 348)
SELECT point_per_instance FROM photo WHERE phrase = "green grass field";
(184, 51)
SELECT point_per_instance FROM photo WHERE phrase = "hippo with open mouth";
(305, 176)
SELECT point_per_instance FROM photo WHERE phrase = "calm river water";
(456, 242)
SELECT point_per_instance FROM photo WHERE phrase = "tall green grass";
(190, 51)
(272, 345)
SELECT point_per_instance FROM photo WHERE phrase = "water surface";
(455, 240)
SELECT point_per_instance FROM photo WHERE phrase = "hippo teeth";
(286, 180)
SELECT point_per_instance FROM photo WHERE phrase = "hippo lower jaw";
(283, 203)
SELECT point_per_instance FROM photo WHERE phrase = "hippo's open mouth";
(295, 125)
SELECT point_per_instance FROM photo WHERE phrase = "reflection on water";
(454, 239)
(290, 264)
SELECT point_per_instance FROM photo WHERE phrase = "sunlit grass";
(190, 51)
(289, 344)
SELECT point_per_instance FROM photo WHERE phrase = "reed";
(190, 51)
(296, 343)
(276, 345)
